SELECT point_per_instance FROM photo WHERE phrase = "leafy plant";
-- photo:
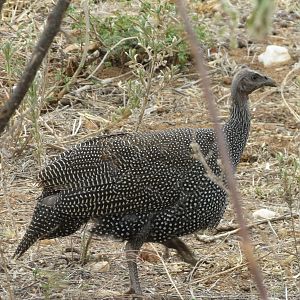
(155, 57)
(113, 29)
(157, 17)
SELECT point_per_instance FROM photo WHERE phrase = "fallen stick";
(234, 228)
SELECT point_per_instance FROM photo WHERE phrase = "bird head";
(247, 81)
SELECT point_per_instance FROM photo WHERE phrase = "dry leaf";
(93, 47)
(101, 266)
(72, 48)
(47, 242)
(88, 124)
(149, 255)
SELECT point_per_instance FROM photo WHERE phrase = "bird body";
(125, 179)
(185, 193)
(143, 187)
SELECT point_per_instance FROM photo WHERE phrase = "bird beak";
(270, 82)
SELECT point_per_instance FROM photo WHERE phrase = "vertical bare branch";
(51, 29)
(232, 186)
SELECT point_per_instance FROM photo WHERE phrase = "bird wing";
(119, 174)
(88, 163)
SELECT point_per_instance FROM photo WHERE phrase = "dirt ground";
(52, 269)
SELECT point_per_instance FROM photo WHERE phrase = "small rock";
(274, 55)
(264, 214)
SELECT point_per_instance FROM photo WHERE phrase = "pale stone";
(274, 55)
(264, 214)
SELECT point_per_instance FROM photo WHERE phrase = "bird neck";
(237, 127)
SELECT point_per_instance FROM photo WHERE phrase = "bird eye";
(254, 76)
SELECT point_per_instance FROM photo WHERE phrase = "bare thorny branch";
(51, 29)
(232, 186)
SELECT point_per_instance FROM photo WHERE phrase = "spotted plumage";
(143, 187)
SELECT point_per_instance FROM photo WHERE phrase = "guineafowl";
(143, 187)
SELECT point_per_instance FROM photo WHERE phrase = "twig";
(66, 88)
(146, 96)
(234, 228)
(235, 196)
(293, 112)
(56, 147)
(297, 254)
(108, 52)
(108, 80)
(51, 29)
(220, 273)
(188, 85)
(229, 227)
(4, 266)
(226, 271)
(167, 271)
(197, 154)
(223, 97)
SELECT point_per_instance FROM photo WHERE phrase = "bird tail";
(44, 221)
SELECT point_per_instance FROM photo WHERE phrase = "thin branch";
(146, 96)
(108, 53)
(234, 193)
(198, 155)
(51, 29)
(283, 85)
(228, 230)
(167, 271)
(229, 227)
(85, 6)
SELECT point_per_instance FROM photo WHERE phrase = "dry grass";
(49, 270)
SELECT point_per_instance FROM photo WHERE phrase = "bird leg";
(182, 249)
(132, 249)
